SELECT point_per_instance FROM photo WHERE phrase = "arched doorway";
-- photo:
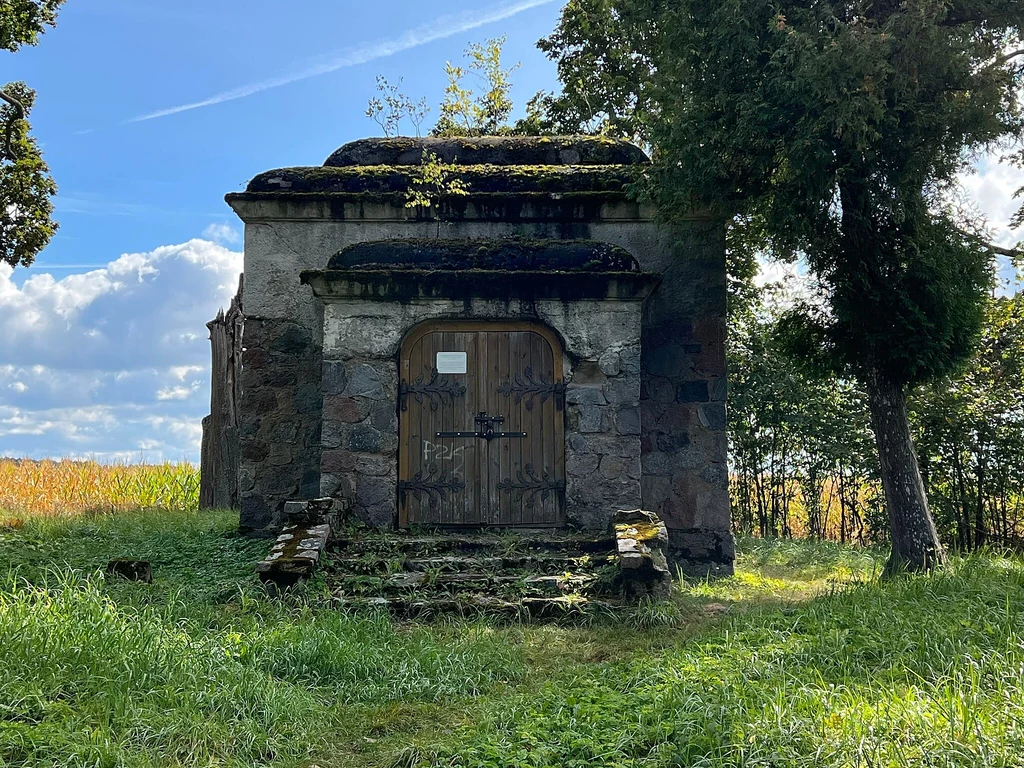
(481, 426)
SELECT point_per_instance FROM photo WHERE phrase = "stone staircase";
(526, 573)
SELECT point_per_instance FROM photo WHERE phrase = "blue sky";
(129, 184)
(150, 111)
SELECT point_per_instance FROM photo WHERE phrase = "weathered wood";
(218, 484)
(513, 371)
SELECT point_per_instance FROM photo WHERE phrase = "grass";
(801, 659)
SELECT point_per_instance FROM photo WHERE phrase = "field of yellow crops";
(69, 488)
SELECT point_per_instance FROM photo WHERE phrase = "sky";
(148, 112)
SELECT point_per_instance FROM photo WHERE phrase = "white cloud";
(222, 233)
(112, 362)
(439, 29)
(993, 189)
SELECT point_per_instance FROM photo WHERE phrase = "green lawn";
(801, 659)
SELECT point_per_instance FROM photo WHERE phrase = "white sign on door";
(451, 362)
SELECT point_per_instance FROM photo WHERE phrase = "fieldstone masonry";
(280, 425)
(319, 379)
(601, 341)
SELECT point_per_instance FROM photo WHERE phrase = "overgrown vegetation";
(802, 658)
(802, 451)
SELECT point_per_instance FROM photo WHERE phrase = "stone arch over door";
(481, 425)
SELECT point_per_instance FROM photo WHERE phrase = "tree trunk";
(915, 542)
(979, 508)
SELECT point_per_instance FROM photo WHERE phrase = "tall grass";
(89, 683)
(62, 488)
(924, 671)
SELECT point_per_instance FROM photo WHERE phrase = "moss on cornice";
(510, 254)
(479, 179)
(490, 150)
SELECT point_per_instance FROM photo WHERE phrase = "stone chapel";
(534, 352)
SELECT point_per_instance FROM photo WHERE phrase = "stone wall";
(602, 373)
(279, 420)
(684, 452)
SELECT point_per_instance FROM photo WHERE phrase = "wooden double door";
(481, 426)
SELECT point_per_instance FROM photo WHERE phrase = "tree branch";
(19, 114)
(1000, 60)
(1013, 253)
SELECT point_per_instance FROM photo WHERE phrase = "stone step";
(421, 582)
(543, 563)
(538, 563)
(565, 607)
(522, 540)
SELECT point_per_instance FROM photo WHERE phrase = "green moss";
(644, 531)
(479, 179)
(508, 151)
(514, 253)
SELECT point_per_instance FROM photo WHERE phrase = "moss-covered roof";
(478, 179)
(490, 150)
(508, 254)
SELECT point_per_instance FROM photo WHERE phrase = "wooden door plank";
(493, 449)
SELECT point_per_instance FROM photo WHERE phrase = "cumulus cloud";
(112, 362)
(222, 233)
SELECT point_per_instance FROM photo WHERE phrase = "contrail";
(439, 29)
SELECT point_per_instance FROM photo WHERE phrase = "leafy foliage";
(606, 77)
(464, 112)
(838, 129)
(23, 21)
(26, 186)
(801, 448)
(392, 107)
(432, 181)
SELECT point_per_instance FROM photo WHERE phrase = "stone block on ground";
(133, 570)
(641, 539)
(294, 556)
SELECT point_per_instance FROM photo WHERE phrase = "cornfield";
(68, 488)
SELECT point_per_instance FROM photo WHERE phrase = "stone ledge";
(404, 284)
(495, 179)
(640, 540)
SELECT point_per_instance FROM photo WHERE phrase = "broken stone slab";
(641, 540)
(132, 570)
(294, 556)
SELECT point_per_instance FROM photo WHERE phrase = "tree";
(467, 113)
(26, 187)
(837, 128)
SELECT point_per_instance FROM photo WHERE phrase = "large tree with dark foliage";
(836, 130)
(26, 187)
